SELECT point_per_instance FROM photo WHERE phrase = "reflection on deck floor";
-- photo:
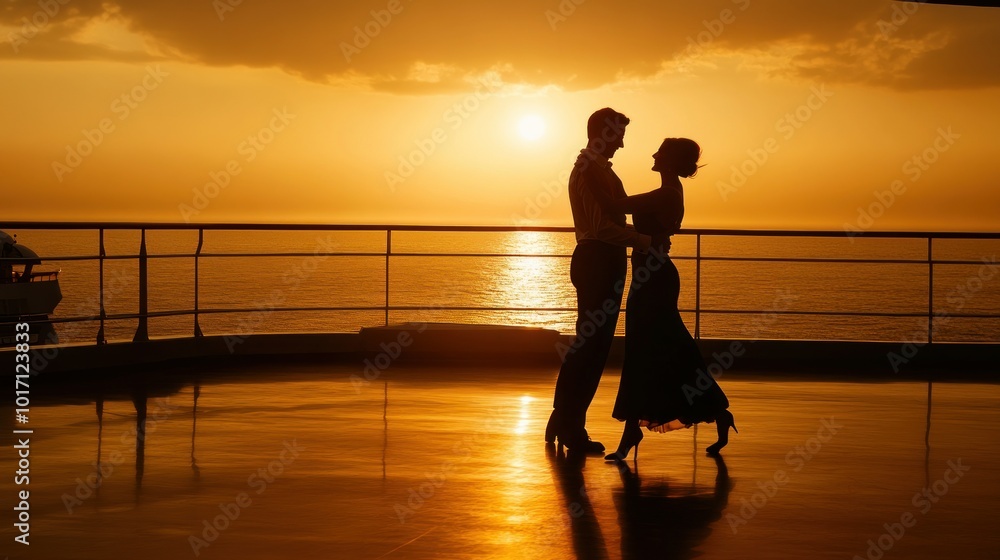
(424, 462)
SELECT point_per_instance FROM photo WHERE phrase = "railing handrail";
(250, 226)
(143, 256)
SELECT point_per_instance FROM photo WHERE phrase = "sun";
(531, 128)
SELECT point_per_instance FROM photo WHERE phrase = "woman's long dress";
(665, 382)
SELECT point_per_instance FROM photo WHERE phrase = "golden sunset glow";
(531, 127)
(413, 113)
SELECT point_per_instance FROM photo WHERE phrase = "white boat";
(25, 294)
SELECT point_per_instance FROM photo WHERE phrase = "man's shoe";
(581, 445)
(551, 428)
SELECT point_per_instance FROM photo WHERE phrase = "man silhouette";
(598, 271)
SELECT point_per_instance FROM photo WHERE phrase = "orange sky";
(447, 112)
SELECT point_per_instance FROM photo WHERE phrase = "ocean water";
(739, 299)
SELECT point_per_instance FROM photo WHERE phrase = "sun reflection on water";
(526, 281)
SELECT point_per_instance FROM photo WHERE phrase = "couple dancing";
(659, 387)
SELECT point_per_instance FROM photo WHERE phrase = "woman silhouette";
(664, 384)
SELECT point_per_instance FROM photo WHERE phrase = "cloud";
(917, 47)
(423, 46)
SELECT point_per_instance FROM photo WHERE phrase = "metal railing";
(34, 277)
(142, 257)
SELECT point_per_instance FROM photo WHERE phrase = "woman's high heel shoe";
(722, 425)
(625, 446)
(620, 457)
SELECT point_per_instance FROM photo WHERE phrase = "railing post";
(930, 289)
(197, 255)
(142, 332)
(388, 251)
(697, 287)
(101, 338)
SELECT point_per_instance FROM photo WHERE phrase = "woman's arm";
(645, 202)
(650, 201)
